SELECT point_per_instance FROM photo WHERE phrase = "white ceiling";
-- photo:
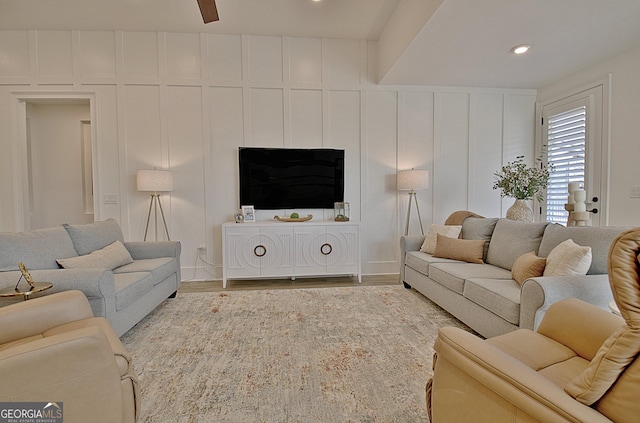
(468, 42)
(459, 42)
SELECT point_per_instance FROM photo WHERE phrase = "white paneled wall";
(188, 101)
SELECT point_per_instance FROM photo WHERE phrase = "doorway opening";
(56, 139)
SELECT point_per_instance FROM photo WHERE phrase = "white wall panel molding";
(140, 55)
(451, 154)
(55, 54)
(224, 59)
(16, 46)
(188, 101)
(415, 151)
(96, 55)
(486, 116)
(306, 118)
(183, 56)
(379, 203)
(265, 58)
(305, 61)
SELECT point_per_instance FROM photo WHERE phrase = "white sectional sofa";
(123, 281)
(484, 295)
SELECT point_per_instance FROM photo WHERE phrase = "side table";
(26, 294)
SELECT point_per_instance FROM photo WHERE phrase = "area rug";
(348, 354)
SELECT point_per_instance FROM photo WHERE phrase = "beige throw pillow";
(429, 244)
(568, 258)
(528, 266)
(112, 256)
(469, 250)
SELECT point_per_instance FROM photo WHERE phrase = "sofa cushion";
(528, 266)
(469, 250)
(421, 261)
(568, 258)
(598, 238)
(94, 236)
(511, 239)
(453, 275)
(131, 287)
(479, 228)
(160, 267)
(112, 256)
(532, 348)
(429, 244)
(37, 249)
(499, 296)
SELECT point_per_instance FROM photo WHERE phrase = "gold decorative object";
(34, 287)
(293, 219)
(26, 275)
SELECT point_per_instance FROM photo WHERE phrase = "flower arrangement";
(522, 182)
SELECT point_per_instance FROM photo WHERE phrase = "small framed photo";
(249, 214)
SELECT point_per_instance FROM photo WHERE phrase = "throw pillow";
(568, 258)
(469, 250)
(93, 236)
(528, 266)
(429, 244)
(112, 256)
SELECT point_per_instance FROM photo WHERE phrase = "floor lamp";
(156, 182)
(412, 181)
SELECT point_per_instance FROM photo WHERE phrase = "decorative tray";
(293, 219)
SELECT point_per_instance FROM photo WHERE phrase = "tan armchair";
(580, 366)
(52, 349)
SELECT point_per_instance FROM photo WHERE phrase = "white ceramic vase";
(520, 211)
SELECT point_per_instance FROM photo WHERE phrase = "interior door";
(594, 154)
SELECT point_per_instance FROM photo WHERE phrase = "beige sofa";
(485, 296)
(53, 349)
(581, 365)
(124, 281)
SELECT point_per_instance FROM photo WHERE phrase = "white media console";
(290, 249)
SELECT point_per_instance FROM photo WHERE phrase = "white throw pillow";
(430, 241)
(112, 256)
(568, 258)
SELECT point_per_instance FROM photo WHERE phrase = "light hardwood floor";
(238, 284)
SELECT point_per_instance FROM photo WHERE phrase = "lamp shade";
(415, 180)
(154, 180)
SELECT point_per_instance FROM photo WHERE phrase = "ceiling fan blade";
(208, 10)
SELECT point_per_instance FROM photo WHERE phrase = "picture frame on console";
(249, 214)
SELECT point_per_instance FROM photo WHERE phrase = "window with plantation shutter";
(566, 151)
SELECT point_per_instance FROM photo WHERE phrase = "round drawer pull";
(260, 250)
(326, 249)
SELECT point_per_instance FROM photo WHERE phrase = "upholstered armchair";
(53, 349)
(580, 366)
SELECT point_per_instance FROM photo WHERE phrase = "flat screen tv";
(289, 178)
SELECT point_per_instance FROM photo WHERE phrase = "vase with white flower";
(523, 182)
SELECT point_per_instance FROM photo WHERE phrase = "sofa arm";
(539, 293)
(76, 368)
(153, 249)
(580, 326)
(408, 243)
(474, 381)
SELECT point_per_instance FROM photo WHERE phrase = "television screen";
(288, 178)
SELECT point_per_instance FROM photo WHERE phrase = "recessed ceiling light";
(523, 48)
